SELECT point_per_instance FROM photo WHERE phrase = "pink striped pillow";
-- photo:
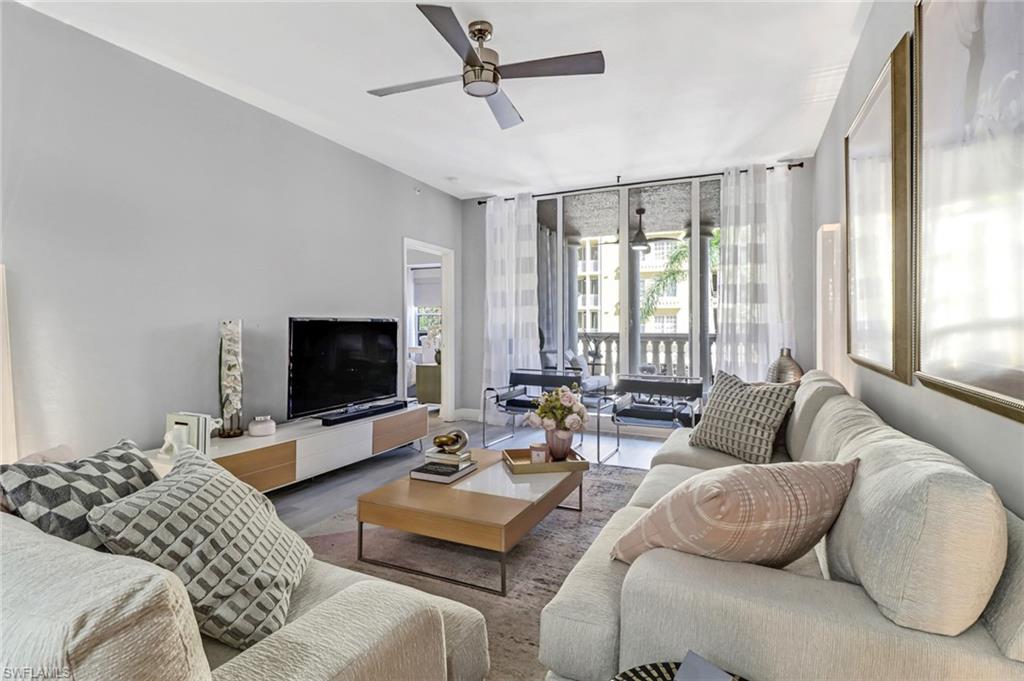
(764, 514)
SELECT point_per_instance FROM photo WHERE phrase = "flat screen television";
(338, 363)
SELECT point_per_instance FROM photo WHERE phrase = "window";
(661, 305)
(661, 323)
(427, 319)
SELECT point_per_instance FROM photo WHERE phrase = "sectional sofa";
(73, 612)
(919, 542)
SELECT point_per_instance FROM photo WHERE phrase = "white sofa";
(767, 624)
(67, 611)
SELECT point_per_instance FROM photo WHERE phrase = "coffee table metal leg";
(413, 571)
(579, 507)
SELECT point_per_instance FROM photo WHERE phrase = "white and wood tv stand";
(304, 448)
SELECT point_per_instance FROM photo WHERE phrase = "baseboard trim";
(467, 414)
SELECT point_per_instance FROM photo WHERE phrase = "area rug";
(536, 566)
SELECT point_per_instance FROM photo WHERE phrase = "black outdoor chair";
(513, 399)
(654, 401)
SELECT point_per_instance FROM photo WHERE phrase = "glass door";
(659, 277)
(591, 305)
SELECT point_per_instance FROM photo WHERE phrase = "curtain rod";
(789, 166)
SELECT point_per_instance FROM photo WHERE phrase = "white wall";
(141, 207)
(991, 445)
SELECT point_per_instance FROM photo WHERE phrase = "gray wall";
(472, 291)
(141, 207)
(992, 445)
(802, 257)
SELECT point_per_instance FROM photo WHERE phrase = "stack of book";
(442, 467)
(437, 455)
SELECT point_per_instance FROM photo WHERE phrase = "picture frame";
(878, 169)
(967, 216)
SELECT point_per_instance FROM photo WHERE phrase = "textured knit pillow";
(221, 537)
(743, 419)
(768, 515)
(55, 497)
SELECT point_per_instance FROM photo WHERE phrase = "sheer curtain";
(757, 298)
(8, 439)
(511, 338)
(743, 343)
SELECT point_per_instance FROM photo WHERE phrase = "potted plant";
(560, 413)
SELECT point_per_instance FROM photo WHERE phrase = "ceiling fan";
(481, 71)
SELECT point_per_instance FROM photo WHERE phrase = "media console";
(305, 448)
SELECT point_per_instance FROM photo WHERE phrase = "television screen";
(334, 363)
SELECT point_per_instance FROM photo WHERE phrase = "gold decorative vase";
(784, 369)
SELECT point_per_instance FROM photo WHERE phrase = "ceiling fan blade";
(566, 65)
(419, 84)
(503, 109)
(443, 19)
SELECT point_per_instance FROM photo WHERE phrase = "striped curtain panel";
(511, 336)
(743, 344)
(757, 314)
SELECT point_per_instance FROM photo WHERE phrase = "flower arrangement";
(560, 409)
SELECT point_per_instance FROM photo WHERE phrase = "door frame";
(447, 319)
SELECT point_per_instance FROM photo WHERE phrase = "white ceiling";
(689, 87)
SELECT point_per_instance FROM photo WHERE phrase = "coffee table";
(489, 509)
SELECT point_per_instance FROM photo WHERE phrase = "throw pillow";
(743, 419)
(768, 515)
(55, 497)
(221, 537)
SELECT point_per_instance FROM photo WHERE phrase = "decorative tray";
(517, 461)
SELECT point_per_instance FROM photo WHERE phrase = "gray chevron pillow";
(55, 497)
(742, 419)
(221, 537)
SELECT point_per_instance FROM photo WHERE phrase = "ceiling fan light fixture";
(481, 73)
(479, 87)
(482, 81)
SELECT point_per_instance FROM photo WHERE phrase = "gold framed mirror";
(877, 152)
(969, 203)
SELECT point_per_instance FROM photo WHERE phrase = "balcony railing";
(667, 353)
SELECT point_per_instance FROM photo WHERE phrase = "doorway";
(428, 326)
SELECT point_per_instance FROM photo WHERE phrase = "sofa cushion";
(221, 537)
(1004, 614)
(55, 497)
(772, 625)
(73, 612)
(743, 419)
(659, 481)
(923, 535)
(465, 631)
(768, 515)
(678, 450)
(56, 454)
(816, 387)
(842, 420)
(579, 628)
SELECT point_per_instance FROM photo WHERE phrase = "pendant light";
(639, 241)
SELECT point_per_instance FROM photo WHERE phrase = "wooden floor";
(306, 503)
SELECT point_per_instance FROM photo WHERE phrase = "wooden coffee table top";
(489, 508)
